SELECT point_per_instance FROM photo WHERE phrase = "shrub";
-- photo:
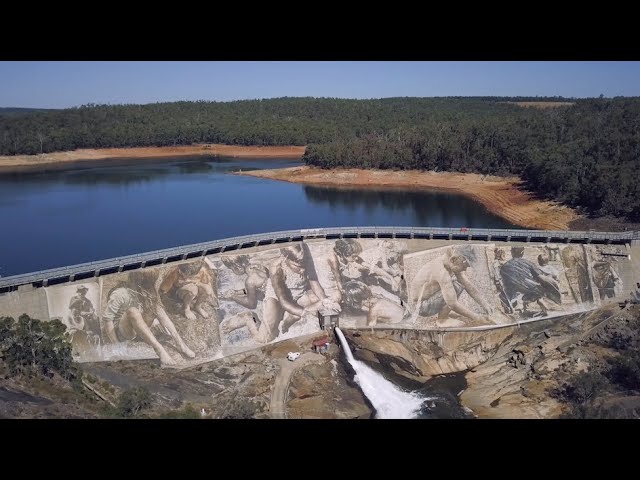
(32, 346)
(581, 388)
(131, 402)
(188, 411)
(625, 370)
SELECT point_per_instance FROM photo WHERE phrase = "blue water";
(67, 217)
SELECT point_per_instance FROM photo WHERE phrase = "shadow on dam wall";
(226, 303)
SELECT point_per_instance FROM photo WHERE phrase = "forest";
(586, 154)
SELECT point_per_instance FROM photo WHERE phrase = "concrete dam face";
(217, 305)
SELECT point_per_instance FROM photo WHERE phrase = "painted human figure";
(81, 311)
(192, 284)
(130, 312)
(436, 289)
(552, 253)
(292, 292)
(357, 297)
(522, 276)
(255, 281)
(82, 321)
(352, 266)
(543, 263)
(498, 261)
(575, 268)
(605, 278)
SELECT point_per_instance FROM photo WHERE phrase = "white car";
(293, 355)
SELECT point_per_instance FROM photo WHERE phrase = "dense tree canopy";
(586, 154)
(31, 346)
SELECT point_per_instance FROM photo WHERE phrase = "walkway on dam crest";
(104, 267)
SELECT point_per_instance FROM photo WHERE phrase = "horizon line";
(541, 97)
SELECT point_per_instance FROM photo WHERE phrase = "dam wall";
(193, 310)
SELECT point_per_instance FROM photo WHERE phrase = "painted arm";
(114, 304)
(474, 292)
(167, 281)
(311, 273)
(166, 322)
(282, 292)
(317, 289)
(380, 273)
(72, 303)
(451, 299)
(384, 310)
(89, 308)
(333, 265)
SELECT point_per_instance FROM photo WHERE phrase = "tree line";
(585, 155)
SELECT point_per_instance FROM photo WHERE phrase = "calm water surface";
(67, 217)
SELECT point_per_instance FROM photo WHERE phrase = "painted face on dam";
(294, 256)
(459, 263)
(273, 296)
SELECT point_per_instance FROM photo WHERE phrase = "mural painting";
(451, 287)
(228, 303)
(532, 282)
(188, 292)
(77, 306)
(576, 268)
(364, 277)
(527, 281)
(604, 270)
(269, 296)
(167, 311)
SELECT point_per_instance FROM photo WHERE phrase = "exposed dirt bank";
(499, 195)
(56, 160)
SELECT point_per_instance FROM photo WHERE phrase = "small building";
(321, 345)
(328, 320)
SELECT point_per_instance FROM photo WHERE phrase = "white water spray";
(388, 400)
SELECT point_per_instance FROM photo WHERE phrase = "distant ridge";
(7, 111)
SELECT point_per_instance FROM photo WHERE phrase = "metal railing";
(101, 267)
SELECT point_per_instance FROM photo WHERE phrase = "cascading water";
(388, 400)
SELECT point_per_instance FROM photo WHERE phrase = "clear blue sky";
(67, 84)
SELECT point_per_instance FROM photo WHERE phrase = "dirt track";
(54, 160)
(281, 385)
(499, 195)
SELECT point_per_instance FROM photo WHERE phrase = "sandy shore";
(499, 195)
(55, 160)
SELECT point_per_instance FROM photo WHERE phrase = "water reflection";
(68, 217)
(113, 176)
(427, 208)
(195, 167)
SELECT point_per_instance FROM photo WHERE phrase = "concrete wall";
(26, 299)
(232, 302)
